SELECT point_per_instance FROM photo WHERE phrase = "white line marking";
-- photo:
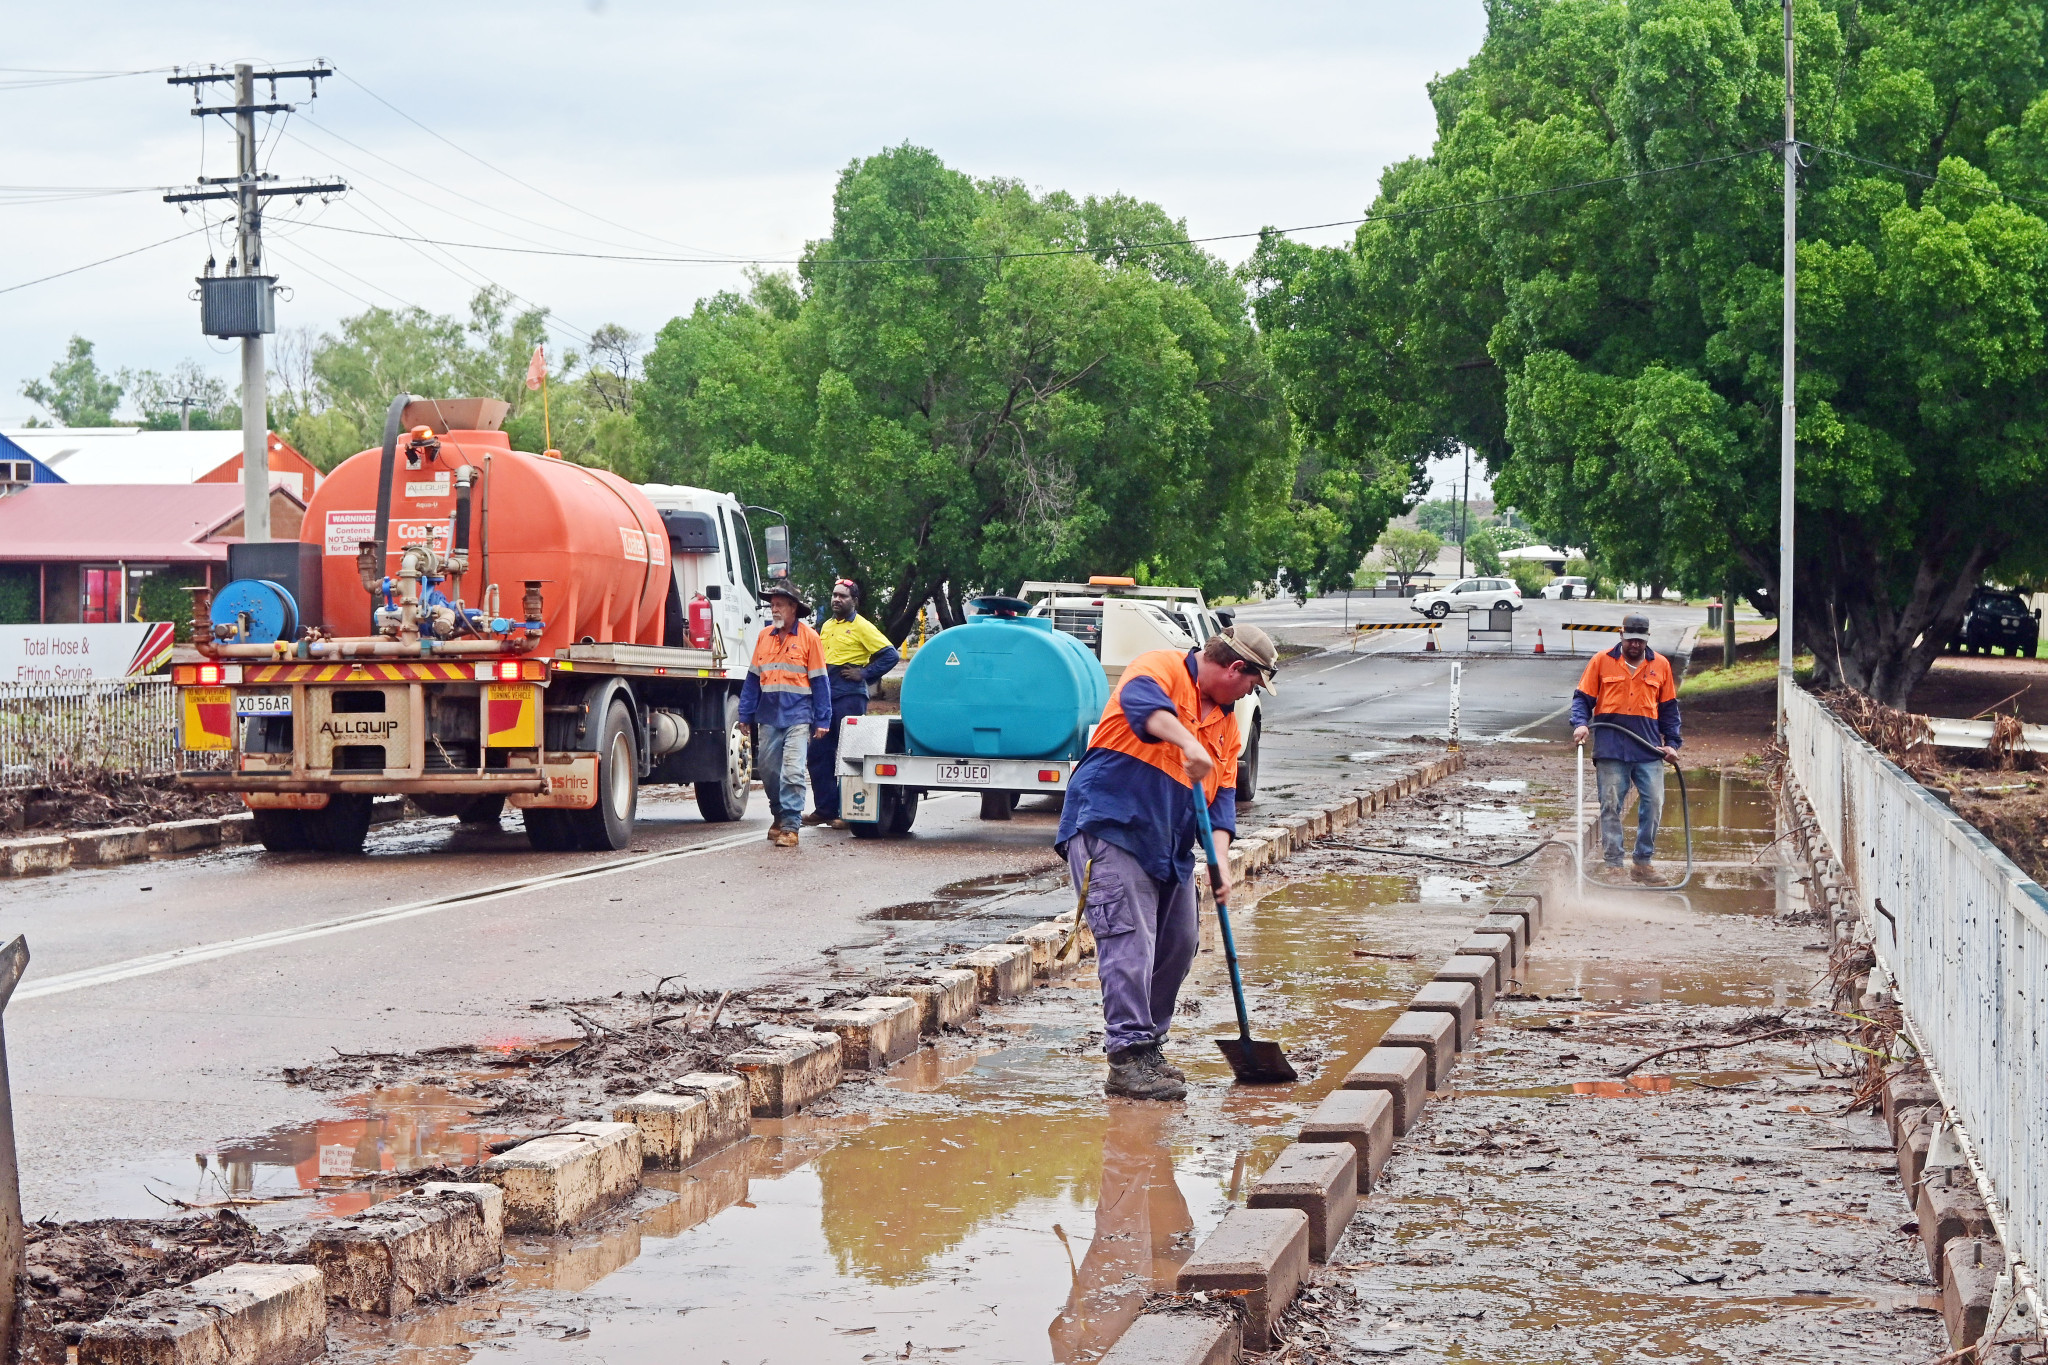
(1510, 734)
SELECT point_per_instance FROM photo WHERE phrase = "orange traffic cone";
(1539, 639)
(1430, 648)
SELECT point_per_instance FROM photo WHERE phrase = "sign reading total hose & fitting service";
(59, 655)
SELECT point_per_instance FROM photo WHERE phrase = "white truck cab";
(1119, 620)
(712, 550)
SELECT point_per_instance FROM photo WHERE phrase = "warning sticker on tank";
(346, 530)
(633, 544)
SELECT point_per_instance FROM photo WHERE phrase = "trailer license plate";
(263, 704)
(963, 772)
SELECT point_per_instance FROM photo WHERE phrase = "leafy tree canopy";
(939, 411)
(1405, 551)
(76, 394)
(1612, 351)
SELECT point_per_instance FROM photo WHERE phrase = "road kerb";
(671, 1127)
(1320, 1179)
(248, 1314)
(1482, 972)
(1258, 1256)
(1185, 1338)
(1403, 1073)
(1362, 1118)
(558, 1180)
(1434, 1034)
(387, 1257)
(874, 1032)
(728, 1117)
(1002, 971)
(945, 999)
(787, 1071)
(1457, 999)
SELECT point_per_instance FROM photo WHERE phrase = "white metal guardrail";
(50, 731)
(1964, 934)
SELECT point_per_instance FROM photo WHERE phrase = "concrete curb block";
(1320, 1179)
(1972, 1266)
(1164, 1338)
(1363, 1118)
(945, 999)
(1455, 999)
(388, 1257)
(671, 1127)
(247, 1314)
(136, 843)
(1433, 1034)
(1949, 1208)
(1002, 971)
(1401, 1072)
(557, 1180)
(787, 1072)
(727, 1118)
(1044, 941)
(1260, 1256)
(1482, 972)
(873, 1032)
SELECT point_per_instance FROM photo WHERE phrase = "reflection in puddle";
(1634, 1085)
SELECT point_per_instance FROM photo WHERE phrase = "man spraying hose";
(1630, 687)
(1128, 833)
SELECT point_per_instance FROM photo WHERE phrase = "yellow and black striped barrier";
(1583, 626)
(1432, 626)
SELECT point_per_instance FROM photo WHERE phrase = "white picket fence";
(48, 732)
(1964, 934)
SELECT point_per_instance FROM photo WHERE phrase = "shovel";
(1254, 1062)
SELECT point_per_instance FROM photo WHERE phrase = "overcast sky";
(649, 128)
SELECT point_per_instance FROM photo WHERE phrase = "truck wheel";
(280, 831)
(726, 799)
(608, 824)
(339, 826)
(1248, 763)
(898, 815)
(484, 810)
(997, 805)
(548, 832)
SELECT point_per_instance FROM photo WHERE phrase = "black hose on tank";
(382, 530)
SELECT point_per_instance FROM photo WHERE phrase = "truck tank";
(1002, 687)
(592, 540)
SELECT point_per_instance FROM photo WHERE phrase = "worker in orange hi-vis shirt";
(1632, 689)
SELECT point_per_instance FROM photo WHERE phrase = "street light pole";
(1789, 408)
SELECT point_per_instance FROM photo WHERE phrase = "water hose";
(1684, 806)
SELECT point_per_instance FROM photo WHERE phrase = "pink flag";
(536, 369)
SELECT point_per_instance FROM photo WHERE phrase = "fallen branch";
(588, 1022)
(1392, 957)
(717, 1010)
(1715, 1047)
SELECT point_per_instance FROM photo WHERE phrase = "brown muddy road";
(983, 1202)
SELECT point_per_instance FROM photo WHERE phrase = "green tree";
(942, 407)
(77, 394)
(1404, 551)
(1612, 351)
(1483, 550)
(209, 404)
(1445, 518)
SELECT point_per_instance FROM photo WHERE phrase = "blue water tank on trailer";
(1002, 687)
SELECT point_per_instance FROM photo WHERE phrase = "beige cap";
(1256, 648)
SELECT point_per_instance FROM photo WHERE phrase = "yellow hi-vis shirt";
(851, 642)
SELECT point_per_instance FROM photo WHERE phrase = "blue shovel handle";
(1208, 834)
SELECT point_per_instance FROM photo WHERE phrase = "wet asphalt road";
(149, 1025)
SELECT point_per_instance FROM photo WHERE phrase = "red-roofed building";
(89, 552)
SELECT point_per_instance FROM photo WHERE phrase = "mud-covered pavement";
(982, 1201)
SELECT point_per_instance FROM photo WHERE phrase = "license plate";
(263, 704)
(963, 772)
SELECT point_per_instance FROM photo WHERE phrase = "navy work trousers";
(848, 699)
(1145, 939)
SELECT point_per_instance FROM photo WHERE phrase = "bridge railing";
(1964, 935)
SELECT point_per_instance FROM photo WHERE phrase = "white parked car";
(1560, 589)
(1468, 594)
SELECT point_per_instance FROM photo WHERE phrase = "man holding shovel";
(1128, 833)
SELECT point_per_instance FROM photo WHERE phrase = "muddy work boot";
(1642, 872)
(785, 838)
(1132, 1077)
(1153, 1056)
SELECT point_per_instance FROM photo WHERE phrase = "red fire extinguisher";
(700, 621)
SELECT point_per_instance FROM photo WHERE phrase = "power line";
(498, 170)
(1994, 193)
(1124, 247)
(190, 232)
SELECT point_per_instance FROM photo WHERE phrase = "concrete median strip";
(787, 1071)
(1258, 1256)
(1482, 972)
(873, 1032)
(434, 1242)
(1501, 948)
(1320, 1179)
(244, 1315)
(558, 1180)
(1402, 1073)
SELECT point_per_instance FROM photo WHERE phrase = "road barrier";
(1369, 626)
(1572, 629)
(1963, 934)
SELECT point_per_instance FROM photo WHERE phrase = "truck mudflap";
(571, 780)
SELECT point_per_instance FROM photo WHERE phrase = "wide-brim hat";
(1256, 648)
(784, 587)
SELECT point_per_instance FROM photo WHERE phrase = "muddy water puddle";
(982, 1201)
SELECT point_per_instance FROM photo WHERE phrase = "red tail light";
(1048, 775)
(885, 770)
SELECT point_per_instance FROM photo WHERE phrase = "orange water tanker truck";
(474, 626)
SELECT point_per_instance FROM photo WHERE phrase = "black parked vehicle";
(1997, 619)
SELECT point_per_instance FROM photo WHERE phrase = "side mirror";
(777, 538)
(1229, 618)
